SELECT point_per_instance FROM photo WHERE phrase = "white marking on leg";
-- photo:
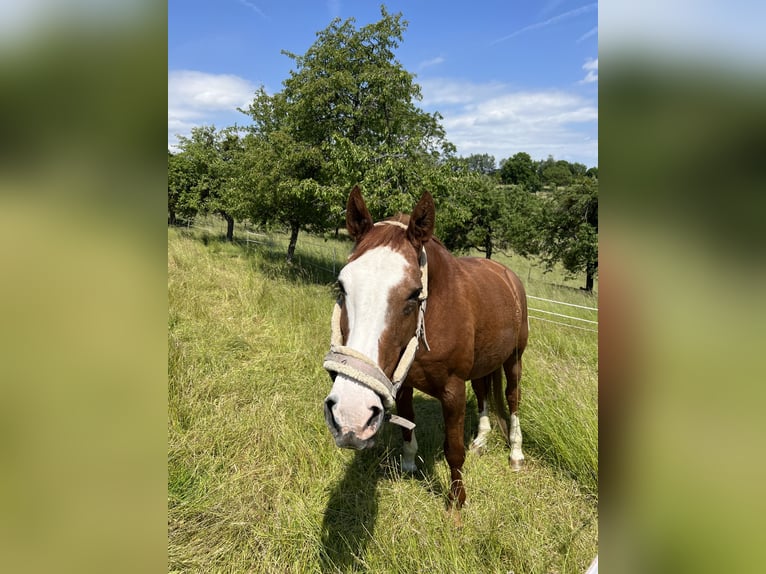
(409, 450)
(515, 439)
(484, 428)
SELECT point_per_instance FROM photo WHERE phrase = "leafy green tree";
(213, 166)
(350, 101)
(481, 163)
(524, 218)
(570, 223)
(284, 176)
(473, 213)
(592, 172)
(557, 175)
(181, 202)
(520, 169)
(577, 169)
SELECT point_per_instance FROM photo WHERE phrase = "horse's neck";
(440, 265)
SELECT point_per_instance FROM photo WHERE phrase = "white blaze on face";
(367, 282)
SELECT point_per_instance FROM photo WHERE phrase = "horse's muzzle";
(358, 432)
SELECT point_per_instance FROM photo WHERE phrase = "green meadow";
(256, 483)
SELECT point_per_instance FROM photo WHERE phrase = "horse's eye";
(415, 295)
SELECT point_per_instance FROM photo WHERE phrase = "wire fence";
(328, 258)
(563, 315)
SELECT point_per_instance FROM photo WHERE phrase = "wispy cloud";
(590, 66)
(197, 98)
(588, 34)
(254, 8)
(553, 20)
(500, 121)
(432, 62)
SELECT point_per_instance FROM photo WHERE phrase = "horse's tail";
(498, 402)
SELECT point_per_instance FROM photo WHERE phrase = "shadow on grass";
(270, 259)
(352, 509)
(349, 519)
(304, 269)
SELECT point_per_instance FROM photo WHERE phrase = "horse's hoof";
(516, 465)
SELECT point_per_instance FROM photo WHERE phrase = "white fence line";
(564, 324)
(565, 316)
(562, 315)
(562, 303)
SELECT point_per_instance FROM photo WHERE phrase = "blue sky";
(506, 75)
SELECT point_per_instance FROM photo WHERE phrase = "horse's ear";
(422, 219)
(358, 218)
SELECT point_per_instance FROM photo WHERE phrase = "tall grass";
(256, 484)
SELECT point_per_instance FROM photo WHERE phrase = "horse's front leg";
(453, 407)
(405, 409)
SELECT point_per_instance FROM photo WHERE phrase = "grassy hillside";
(255, 482)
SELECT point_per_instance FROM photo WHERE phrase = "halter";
(360, 368)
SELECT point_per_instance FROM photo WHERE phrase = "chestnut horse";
(386, 343)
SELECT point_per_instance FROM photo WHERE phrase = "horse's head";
(378, 314)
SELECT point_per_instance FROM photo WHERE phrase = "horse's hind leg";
(512, 369)
(481, 388)
(405, 409)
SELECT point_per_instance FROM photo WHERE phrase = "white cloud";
(500, 121)
(438, 92)
(432, 62)
(197, 98)
(590, 66)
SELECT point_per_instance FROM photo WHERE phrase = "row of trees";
(347, 115)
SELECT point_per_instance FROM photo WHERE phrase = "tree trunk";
(229, 226)
(294, 229)
(590, 271)
(488, 245)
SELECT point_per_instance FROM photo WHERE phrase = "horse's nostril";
(329, 404)
(375, 412)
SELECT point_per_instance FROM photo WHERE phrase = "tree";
(577, 169)
(524, 219)
(350, 101)
(571, 229)
(284, 175)
(473, 212)
(520, 170)
(213, 166)
(481, 163)
(557, 175)
(180, 188)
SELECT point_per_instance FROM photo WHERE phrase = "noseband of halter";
(360, 368)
